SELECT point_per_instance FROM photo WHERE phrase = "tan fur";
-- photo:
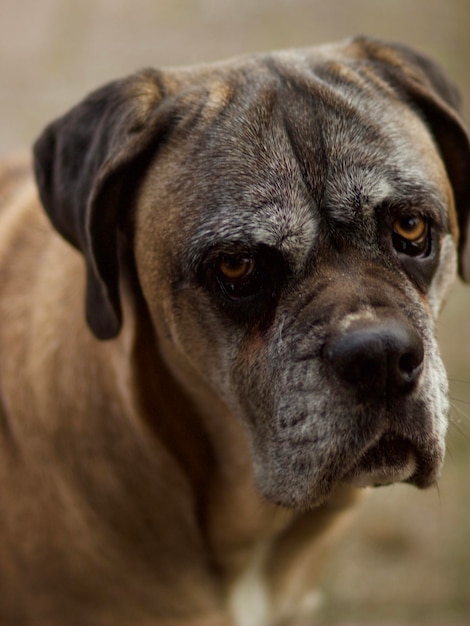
(109, 414)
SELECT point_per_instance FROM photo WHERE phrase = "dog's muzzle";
(382, 361)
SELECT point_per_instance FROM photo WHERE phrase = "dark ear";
(422, 82)
(84, 164)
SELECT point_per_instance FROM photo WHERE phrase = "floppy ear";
(422, 82)
(86, 166)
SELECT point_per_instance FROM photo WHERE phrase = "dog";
(217, 313)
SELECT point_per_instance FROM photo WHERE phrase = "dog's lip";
(389, 460)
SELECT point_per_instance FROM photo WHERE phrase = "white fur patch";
(365, 313)
(249, 599)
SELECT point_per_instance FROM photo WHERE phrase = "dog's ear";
(86, 163)
(421, 82)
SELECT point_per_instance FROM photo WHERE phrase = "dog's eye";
(246, 278)
(238, 276)
(236, 268)
(411, 235)
(411, 228)
(245, 282)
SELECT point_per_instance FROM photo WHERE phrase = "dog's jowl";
(217, 311)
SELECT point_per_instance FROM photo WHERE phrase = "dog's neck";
(209, 443)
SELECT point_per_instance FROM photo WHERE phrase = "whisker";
(460, 381)
(438, 491)
(462, 413)
(454, 399)
(460, 422)
(449, 454)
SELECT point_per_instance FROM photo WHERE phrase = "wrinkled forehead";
(283, 157)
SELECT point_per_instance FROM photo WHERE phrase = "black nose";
(382, 357)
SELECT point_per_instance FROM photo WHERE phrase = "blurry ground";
(407, 558)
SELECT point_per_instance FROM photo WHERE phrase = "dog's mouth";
(302, 479)
(391, 459)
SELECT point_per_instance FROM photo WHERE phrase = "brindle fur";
(167, 463)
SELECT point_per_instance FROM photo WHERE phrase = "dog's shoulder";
(24, 226)
(15, 174)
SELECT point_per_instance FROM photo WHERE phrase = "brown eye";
(244, 282)
(411, 236)
(236, 268)
(413, 229)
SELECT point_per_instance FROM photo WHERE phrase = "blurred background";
(406, 559)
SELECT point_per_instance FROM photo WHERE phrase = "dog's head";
(294, 223)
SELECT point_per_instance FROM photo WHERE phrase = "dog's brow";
(290, 230)
(355, 193)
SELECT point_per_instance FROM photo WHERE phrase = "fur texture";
(258, 336)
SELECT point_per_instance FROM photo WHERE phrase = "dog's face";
(294, 233)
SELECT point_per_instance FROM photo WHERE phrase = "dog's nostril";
(382, 357)
(410, 362)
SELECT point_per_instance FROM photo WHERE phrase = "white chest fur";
(251, 603)
(249, 600)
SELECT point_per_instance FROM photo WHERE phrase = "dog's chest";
(249, 597)
(252, 601)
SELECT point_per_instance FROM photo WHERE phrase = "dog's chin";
(390, 460)
(387, 460)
